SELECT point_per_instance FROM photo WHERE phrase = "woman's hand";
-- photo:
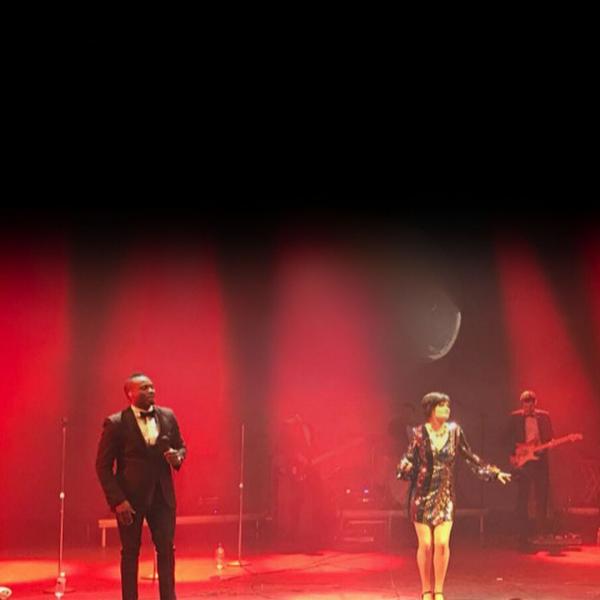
(503, 477)
(405, 466)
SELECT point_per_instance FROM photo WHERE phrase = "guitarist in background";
(531, 425)
(298, 487)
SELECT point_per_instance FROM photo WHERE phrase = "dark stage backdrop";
(348, 330)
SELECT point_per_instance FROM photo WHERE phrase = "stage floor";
(475, 574)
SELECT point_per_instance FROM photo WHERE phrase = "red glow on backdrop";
(168, 321)
(325, 364)
(34, 304)
(544, 356)
(591, 252)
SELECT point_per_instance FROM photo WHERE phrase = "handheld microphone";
(163, 443)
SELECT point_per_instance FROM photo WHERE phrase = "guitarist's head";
(294, 420)
(528, 402)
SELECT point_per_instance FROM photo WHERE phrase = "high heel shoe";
(425, 594)
(435, 594)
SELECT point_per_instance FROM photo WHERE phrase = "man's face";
(529, 407)
(141, 392)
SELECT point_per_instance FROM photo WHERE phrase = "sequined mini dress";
(432, 496)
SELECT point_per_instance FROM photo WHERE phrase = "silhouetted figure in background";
(297, 487)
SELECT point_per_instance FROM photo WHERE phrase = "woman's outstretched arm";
(483, 470)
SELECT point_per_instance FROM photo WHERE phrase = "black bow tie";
(151, 414)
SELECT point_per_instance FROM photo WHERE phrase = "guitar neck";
(326, 455)
(553, 443)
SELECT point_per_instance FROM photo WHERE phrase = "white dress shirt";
(532, 430)
(148, 427)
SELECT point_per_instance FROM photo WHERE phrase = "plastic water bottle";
(5, 592)
(220, 559)
(61, 584)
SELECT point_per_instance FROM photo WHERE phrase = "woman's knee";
(442, 548)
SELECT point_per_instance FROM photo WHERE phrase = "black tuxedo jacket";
(139, 468)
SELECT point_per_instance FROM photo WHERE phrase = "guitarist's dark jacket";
(517, 430)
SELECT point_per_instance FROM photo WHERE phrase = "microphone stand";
(483, 451)
(239, 562)
(61, 581)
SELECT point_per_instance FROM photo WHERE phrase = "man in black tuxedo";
(532, 426)
(145, 443)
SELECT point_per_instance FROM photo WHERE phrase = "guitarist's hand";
(503, 477)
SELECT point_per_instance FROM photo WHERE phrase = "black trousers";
(161, 520)
(533, 476)
(301, 520)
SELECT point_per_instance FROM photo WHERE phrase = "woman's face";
(442, 411)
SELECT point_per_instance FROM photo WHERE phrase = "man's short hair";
(135, 375)
(132, 376)
(528, 396)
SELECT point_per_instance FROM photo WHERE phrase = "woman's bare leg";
(441, 553)
(424, 555)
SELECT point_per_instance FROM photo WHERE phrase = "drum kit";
(371, 481)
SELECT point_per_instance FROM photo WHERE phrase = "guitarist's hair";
(431, 400)
(528, 396)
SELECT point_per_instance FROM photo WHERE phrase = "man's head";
(528, 402)
(139, 390)
(436, 404)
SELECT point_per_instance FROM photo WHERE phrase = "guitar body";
(301, 467)
(298, 469)
(523, 454)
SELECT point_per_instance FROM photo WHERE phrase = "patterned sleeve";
(408, 466)
(483, 470)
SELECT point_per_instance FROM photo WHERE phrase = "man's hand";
(125, 513)
(503, 478)
(172, 457)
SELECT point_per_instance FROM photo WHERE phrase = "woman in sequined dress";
(429, 465)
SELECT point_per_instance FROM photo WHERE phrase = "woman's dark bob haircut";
(431, 400)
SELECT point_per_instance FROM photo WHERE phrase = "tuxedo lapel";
(132, 426)
(161, 422)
